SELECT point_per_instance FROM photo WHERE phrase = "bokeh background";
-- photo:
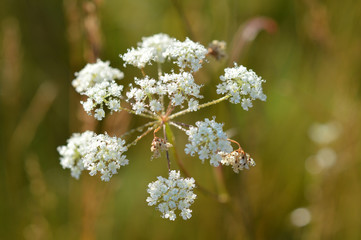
(305, 139)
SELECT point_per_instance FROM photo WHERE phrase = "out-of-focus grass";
(312, 68)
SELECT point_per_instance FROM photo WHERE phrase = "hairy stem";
(177, 125)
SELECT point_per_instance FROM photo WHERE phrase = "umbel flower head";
(207, 139)
(71, 155)
(160, 98)
(97, 81)
(172, 194)
(104, 154)
(95, 153)
(94, 73)
(241, 85)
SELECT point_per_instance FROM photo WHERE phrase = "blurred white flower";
(300, 217)
(325, 158)
(325, 133)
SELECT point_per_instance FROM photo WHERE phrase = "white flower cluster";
(172, 194)
(96, 153)
(241, 85)
(103, 93)
(187, 54)
(239, 160)
(158, 43)
(159, 47)
(207, 140)
(150, 49)
(71, 155)
(94, 73)
(104, 154)
(160, 98)
(97, 82)
(179, 88)
(138, 96)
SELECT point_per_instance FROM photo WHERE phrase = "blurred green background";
(309, 52)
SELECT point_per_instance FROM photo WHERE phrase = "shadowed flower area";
(83, 81)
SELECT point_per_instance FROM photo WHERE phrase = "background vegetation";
(310, 55)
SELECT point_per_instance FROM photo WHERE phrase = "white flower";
(158, 43)
(104, 154)
(181, 87)
(155, 106)
(113, 105)
(172, 194)
(193, 104)
(207, 139)
(187, 54)
(150, 49)
(246, 103)
(241, 85)
(102, 94)
(139, 97)
(94, 73)
(138, 57)
(71, 155)
(88, 105)
(97, 82)
(177, 99)
(99, 114)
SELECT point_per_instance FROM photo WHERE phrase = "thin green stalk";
(167, 152)
(141, 136)
(199, 107)
(139, 114)
(138, 129)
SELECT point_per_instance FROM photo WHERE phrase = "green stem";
(167, 152)
(199, 107)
